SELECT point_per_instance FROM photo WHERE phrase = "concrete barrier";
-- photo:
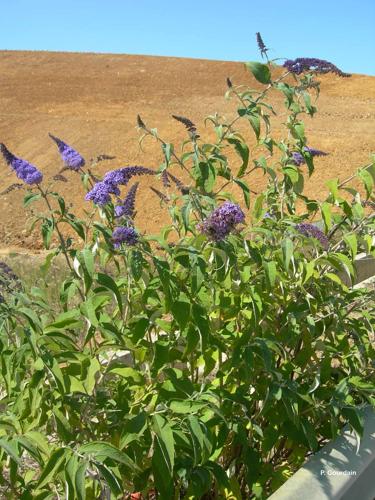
(364, 266)
(339, 471)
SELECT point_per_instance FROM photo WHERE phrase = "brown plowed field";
(91, 101)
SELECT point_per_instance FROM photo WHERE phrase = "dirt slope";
(91, 101)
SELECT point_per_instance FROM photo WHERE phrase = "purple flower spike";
(165, 179)
(222, 221)
(123, 175)
(298, 159)
(100, 194)
(301, 64)
(312, 231)
(315, 152)
(128, 207)
(71, 158)
(261, 45)
(24, 170)
(127, 235)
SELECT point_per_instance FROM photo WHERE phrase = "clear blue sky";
(341, 31)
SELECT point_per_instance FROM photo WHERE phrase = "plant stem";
(61, 238)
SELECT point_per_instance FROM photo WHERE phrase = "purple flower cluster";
(24, 170)
(222, 221)
(128, 206)
(122, 234)
(100, 194)
(71, 158)
(312, 231)
(122, 176)
(301, 64)
(298, 158)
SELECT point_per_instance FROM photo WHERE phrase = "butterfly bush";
(23, 169)
(71, 158)
(192, 363)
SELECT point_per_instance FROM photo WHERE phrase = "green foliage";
(183, 366)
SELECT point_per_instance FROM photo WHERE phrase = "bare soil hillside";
(91, 101)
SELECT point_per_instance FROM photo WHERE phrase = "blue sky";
(341, 31)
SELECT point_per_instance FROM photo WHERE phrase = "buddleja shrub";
(208, 361)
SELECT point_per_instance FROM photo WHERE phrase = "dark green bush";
(207, 361)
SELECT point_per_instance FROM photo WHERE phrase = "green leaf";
(355, 419)
(167, 150)
(54, 464)
(287, 248)
(292, 173)
(260, 71)
(254, 121)
(258, 206)
(200, 481)
(70, 474)
(30, 198)
(78, 227)
(163, 270)
(181, 311)
(270, 269)
(245, 191)
(351, 241)
(102, 450)
(30, 447)
(298, 131)
(32, 318)
(88, 259)
(137, 263)
(110, 478)
(327, 215)
(161, 471)
(333, 186)
(185, 213)
(109, 283)
(207, 176)
(368, 181)
(47, 229)
(186, 407)
(127, 372)
(40, 440)
(64, 320)
(310, 434)
(63, 426)
(79, 481)
(163, 456)
(10, 448)
(243, 151)
(90, 374)
(198, 438)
